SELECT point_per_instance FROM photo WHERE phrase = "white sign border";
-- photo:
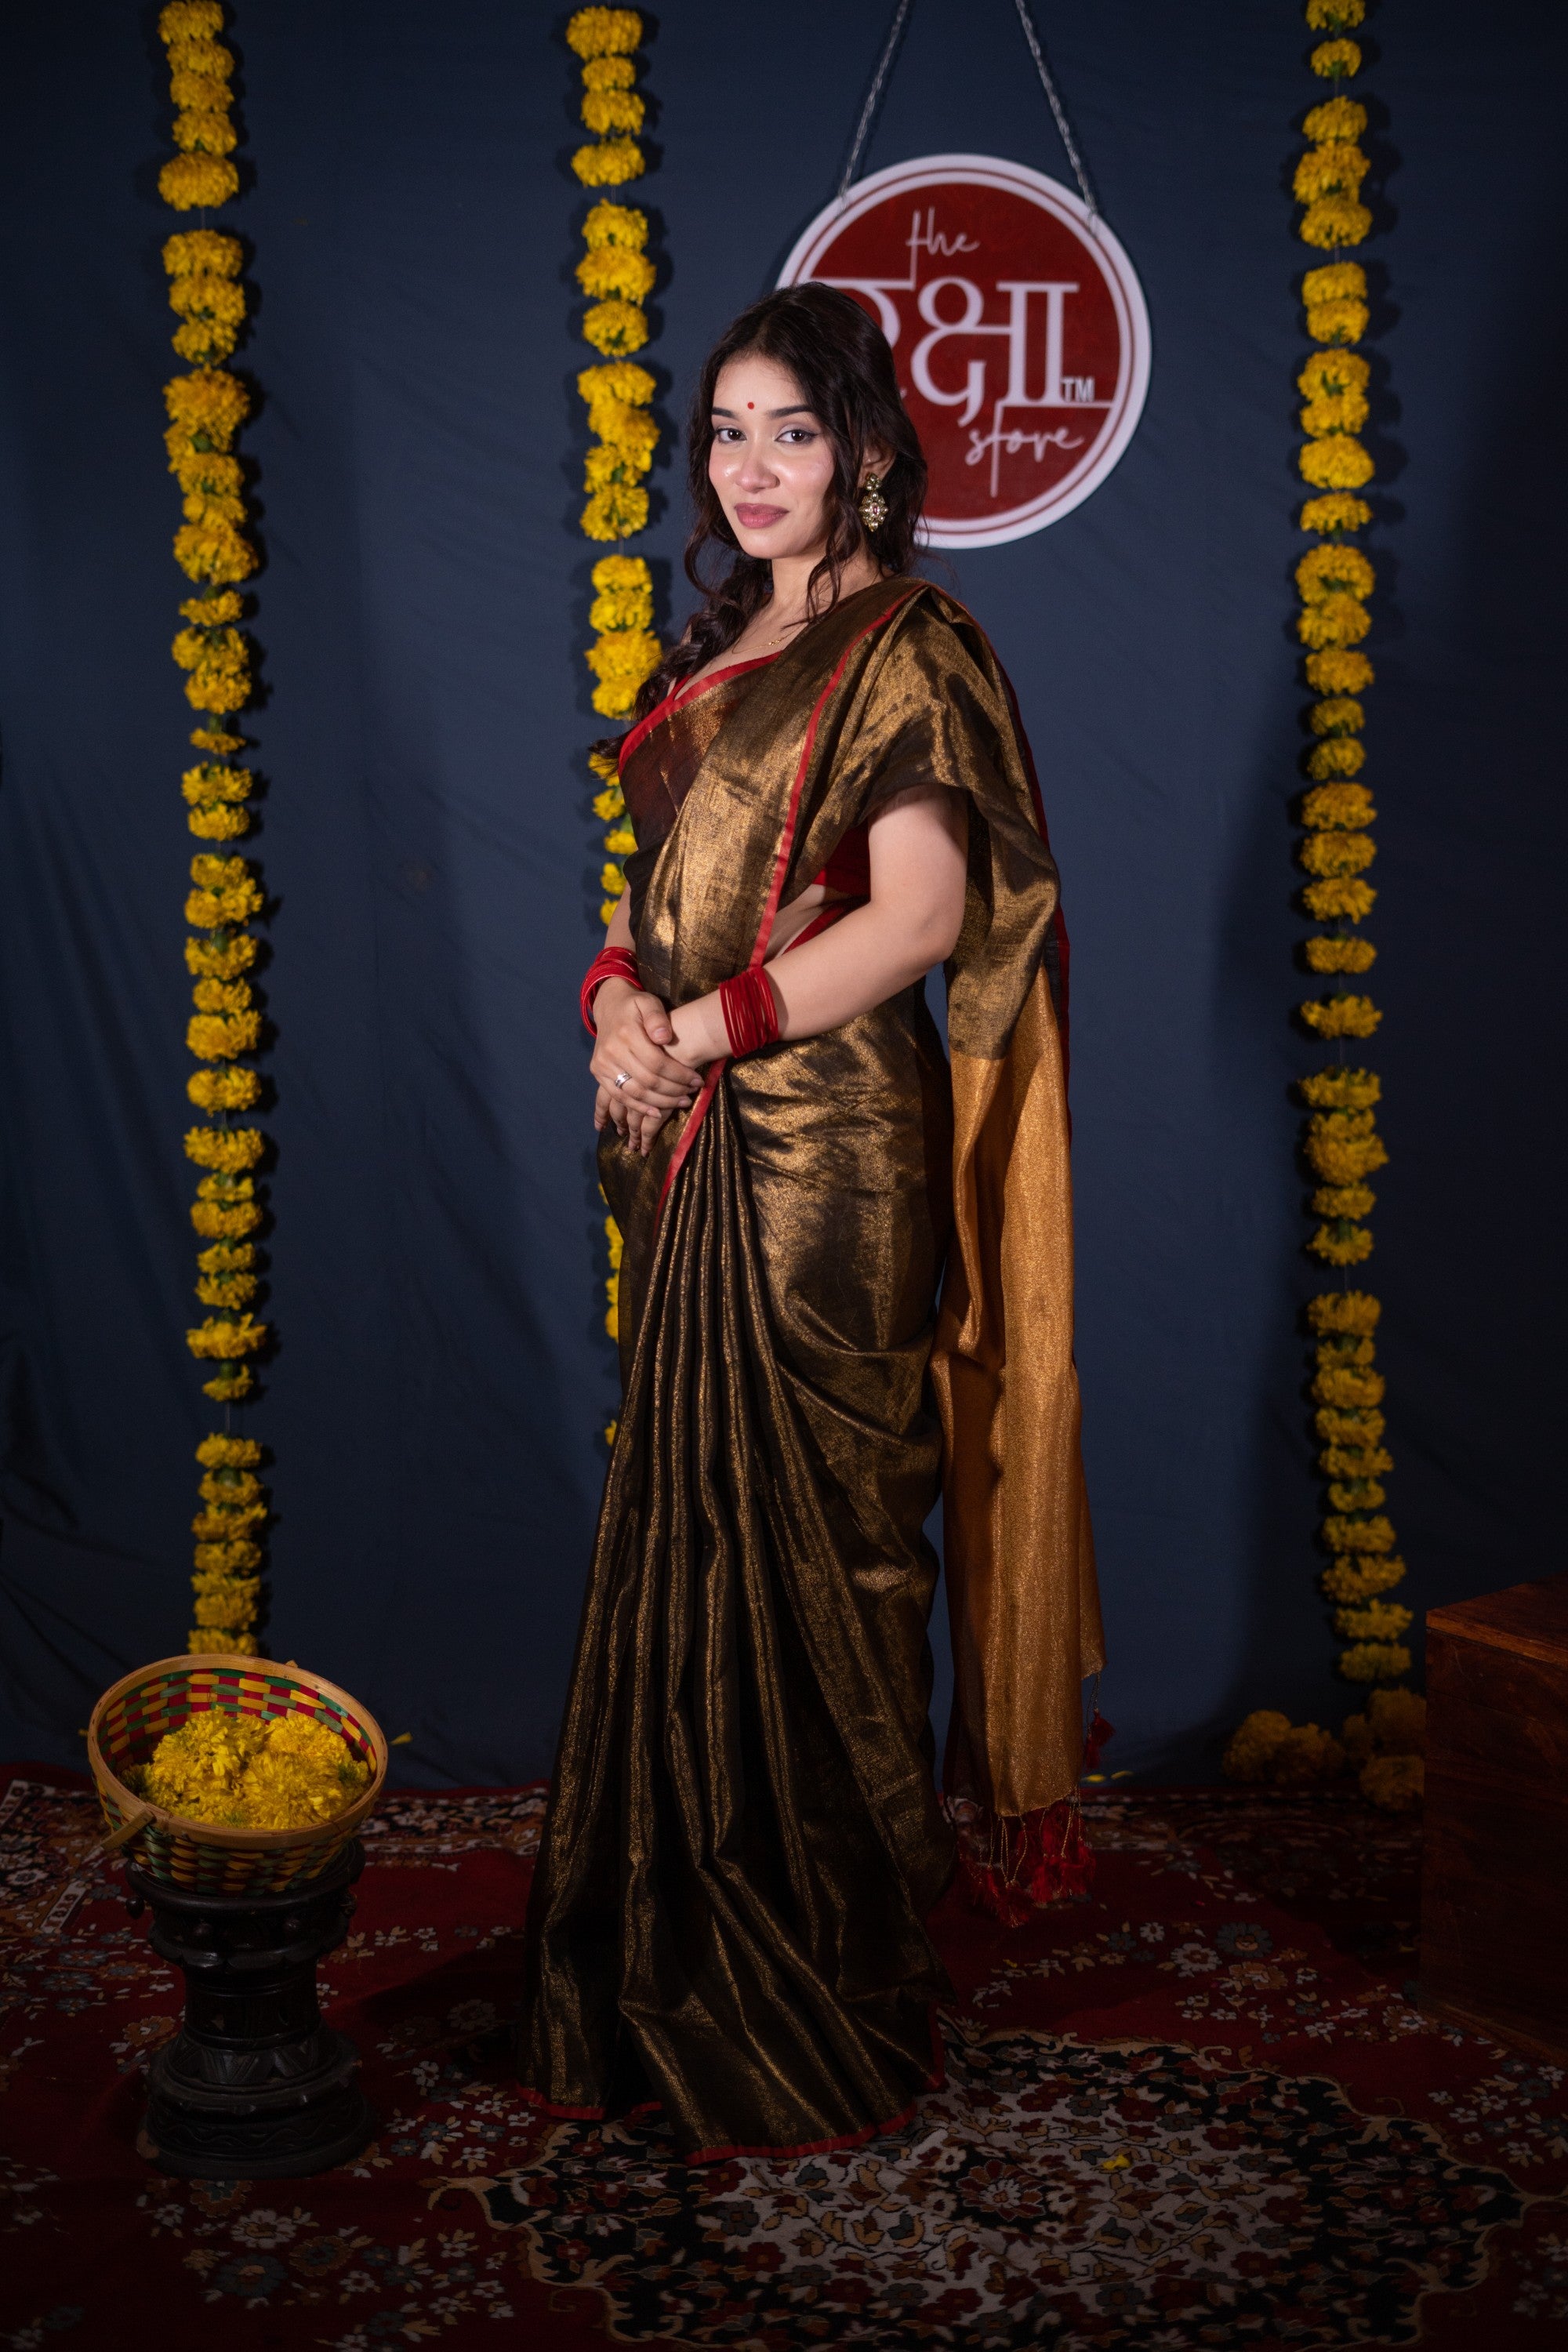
(1120, 277)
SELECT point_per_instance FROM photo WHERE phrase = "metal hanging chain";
(874, 95)
(879, 80)
(1049, 86)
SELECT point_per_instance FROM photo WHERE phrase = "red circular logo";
(1019, 327)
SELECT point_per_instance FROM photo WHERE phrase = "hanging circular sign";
(1018, 327)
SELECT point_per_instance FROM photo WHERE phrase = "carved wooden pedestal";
(1494, 1891)
(254, 2087)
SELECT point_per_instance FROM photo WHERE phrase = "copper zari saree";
(744, 1837)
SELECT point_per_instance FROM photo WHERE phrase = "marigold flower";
(1252, 1744)
(615, 514)
(1342, 1090)
(613, 1293)
(1350, 1580)
(1329, 571)
(610, 164)
(617, 270)
(1339, 756)
(1340, 899)
(603, 32)
(1343, 1203)
(228, 1453)
(215, 1221)
(227, 1526)
(1335, 281)
(1398, 1721)
(1339, 955)
(609, 73)
(1340, 1016)
(1340, 1157)
(607, 916)
(213, 781)
(190, 20)
(632, 654)
(211, 402)
(623, 609)
(1339, 323)
(210, 610)
(1335, 412)
(1336, 118)
(615, 224)
(218, 824)
(1334, 15)
(608, 110)
(200, 130)
(1334, 221)
(226, 1338)
(1339, 1384)
(1372, 1621)
(201, 93)
(1336, 60)
(215, 1559)
(192, 182)
(1346, 806)
(224, 1090)
(1353, 1534)
(1357, 1493)
(1338, 462)
(614, 326)
(1342, 1245)
(1338, 619)
(1336, 852)
(203, 251)
(1355, 1462)
(230, 1488)
(1338, 1426)
(226, 1257)
(220, 960)
(214, 550)
(1336, 671)
(1337, 714)
(621, 381)
(208, 61)
(607, 466)
(231, 1147)
(609, 805)
(219, 1036)
(1397, 1784)
(1336, 168)
(226, 1289)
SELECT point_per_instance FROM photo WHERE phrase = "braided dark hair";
(844, 366)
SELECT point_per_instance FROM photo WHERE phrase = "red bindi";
(750, 403)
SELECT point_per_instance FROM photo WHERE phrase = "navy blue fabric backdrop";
(436, 1402)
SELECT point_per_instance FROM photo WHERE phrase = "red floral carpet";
(1196, 2109)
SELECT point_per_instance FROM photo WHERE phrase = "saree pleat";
(739, 1850)
(744, 1835)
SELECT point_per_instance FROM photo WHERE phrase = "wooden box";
(1494, 1894)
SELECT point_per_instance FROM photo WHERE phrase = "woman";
(830, 796)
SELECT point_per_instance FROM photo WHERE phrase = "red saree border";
(678, 698)
(936, 2080)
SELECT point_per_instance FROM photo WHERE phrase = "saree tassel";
(1095, 1739)
(1013, 1865)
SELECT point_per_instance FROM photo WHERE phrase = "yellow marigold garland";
(1334, 579)
(206, 409)
(616, 277)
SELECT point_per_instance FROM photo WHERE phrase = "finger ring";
(622, 1077)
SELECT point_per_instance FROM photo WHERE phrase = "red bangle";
(751, 1012)
(610, 963)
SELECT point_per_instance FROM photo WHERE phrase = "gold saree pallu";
(744, 1836)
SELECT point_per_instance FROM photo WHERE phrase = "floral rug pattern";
(1200, 2108)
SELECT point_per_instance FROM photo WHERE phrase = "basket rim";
(220, 1834)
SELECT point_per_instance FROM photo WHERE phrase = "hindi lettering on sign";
(1017, 324)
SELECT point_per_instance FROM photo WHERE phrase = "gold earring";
(873, 505)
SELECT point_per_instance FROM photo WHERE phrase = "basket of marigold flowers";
(233, 1776)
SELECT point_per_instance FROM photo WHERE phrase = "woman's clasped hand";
(639, 1081)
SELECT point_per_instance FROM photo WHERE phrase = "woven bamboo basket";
(207, 1857)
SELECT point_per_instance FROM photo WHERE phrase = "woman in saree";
(846, 1284)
